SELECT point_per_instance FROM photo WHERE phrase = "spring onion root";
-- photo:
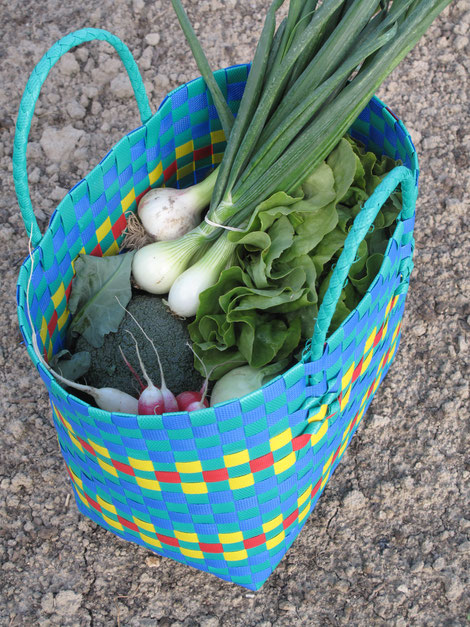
(168, 213)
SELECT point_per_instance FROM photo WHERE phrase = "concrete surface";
(388, 543)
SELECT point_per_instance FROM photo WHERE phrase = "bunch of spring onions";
(309, 80)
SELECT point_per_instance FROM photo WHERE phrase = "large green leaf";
(98, 283)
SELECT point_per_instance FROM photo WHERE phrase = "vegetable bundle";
(309, 81)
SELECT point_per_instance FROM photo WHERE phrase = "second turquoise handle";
(362, 223)
(28, 103)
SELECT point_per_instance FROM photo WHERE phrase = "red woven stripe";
(211, 548)
(378, 337)
(202, 153)
(250, 543)
(215, 475)
(290, 519)
(86, 446)
(351, 426)
(68, 290)
(336, 454)
(357, 370)
(119, 226)
(127, 523)
(300, 441)
(168, 540)
(97, 252)
(316, 488)
(52, 323)
(392, 114)
(168, 477)
(92, 502)
(170, 171)
(262, 462)
(123, 467)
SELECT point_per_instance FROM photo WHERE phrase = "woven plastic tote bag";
(225, 489)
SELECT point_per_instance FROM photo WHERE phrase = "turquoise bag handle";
(28, 103)
(362, 223)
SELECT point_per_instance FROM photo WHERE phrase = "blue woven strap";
(362, 223)
(28, 103)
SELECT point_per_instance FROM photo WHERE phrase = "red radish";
(188, 401)
(151, 399)
(192, 400)
(169, 400)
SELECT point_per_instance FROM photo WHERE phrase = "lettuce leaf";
(263, 308)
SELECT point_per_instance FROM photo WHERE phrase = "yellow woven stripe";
(321, 413)
(155, 174)
(234, 556)
(112, 250)
(231, 538)
(113, 523)
(361, 413)
(148, 484)
(272, 524)
(304, 512)
(237, 483)
(304, 496)
(217, 136)
(82, 498)
(280, 440)
(186, 536)
(237, 459)
(389, 307)
(63, 319)
(107, 467)
(143, 525)
(128, 200)
(76, 442)
(99, 449)
(285, 463)
(185, 170)
(217, 158)
(328, 463)
(316, 437)
(43, 331)
(77, 479)
(345, 398)
(141, 464)
(104, 229)
(58, 295)
(392, 352)
(366, 362)
(346, 380)
(185, 149)
(370, 340)
(189, 467)
(106, 505)
(152, 541)
(325, 479)
(192, 553)
(270, 544)
(66, 422)
(194, 488)
(344, 445)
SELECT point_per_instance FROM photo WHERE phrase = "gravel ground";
(388, 543)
